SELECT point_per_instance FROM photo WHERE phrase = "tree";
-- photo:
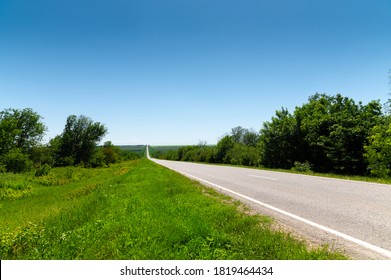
(42, 155)
(223, 147)
(237, 134)
(110, 152)
(280, 141)
(336, 130)
(251, 138)
(378, 150)
(20, 132)
(79, 140)
(16, 161)
(20, 129)
(241, 154)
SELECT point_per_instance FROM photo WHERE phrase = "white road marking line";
(263, 177)
(364, 244)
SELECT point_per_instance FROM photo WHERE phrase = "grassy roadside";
(135, 210)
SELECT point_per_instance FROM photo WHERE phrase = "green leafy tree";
(20, 133)
(237, 134)
(336, 130)
(223, 147)
(54, 148)
(17, 162)
(79, 140)
(378, 150)
(42, 155)
(97, 159)
(243, 155)
(110, 152)
(251, 138)
(244, 136)
(20, 129)
(280, 141)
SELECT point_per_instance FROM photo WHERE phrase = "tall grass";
(137, 211)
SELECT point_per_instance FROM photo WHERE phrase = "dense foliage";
(77, 144)
(20, 132)
(327, 134)
(335, 130)
(22, 150)
(378, 150)
(239, 147)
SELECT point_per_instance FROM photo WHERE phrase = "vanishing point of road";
(351, 216)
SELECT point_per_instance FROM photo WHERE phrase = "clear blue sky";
(181, 71)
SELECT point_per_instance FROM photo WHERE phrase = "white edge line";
(364, 244)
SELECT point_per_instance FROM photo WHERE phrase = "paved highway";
(351, 216)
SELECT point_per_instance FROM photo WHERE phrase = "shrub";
(378, 150)
(43, 170)
(97, 160)
(14, 189)
(17, 162)
(302, 167)
(3, 168)
(243, 155)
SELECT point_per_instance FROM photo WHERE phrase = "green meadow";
(135, 210)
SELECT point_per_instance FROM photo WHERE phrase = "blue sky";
(181, 71)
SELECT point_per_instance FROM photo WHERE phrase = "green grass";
(136, 211)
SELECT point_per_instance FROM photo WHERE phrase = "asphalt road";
(351, 216)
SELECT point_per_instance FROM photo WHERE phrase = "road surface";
(351, 216)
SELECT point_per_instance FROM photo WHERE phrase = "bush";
(43, 170)
(97, 160)
(14, 189)
(302, 167)
(17, 162)
(65, 161)
(243, 155)
(111, 153)
(41, 155)
(378, 150)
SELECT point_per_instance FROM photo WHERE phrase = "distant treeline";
(327, 134)
(21, 148)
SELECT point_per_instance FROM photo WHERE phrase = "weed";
(43, 170)
(24, 240)
(14, 189)
(302, 167)
(82, 192)
(122, 171)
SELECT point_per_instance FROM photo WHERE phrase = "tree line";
(331, 134)
(21, 148)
